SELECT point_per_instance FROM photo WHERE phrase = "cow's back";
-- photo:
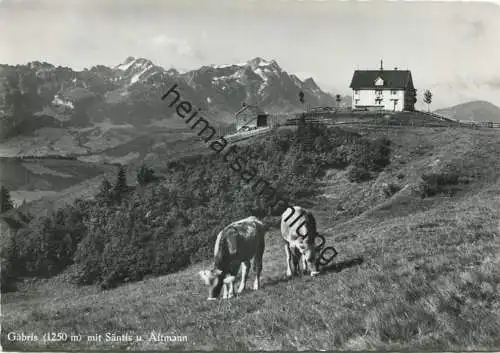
(240, 240)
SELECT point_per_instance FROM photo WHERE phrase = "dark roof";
(253, 108)
(392, 79)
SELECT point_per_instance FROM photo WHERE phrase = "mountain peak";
(129, 59)
(258, 61)
(132, 61)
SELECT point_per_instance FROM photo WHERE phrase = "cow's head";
(311, 250)
(214, 279)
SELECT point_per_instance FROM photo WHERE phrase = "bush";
(372, 155)
(5, 200)
(382, 153)
(47, 246)
(125, 246)
(7, 276)
(358, 174)
(390, 189)
(440, 183)
(145, 175)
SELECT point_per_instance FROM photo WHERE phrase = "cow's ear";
(217, 272)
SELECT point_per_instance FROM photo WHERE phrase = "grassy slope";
(410, 273)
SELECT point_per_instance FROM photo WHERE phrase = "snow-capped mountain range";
(40, 94)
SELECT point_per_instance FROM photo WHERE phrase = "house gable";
(379, 81)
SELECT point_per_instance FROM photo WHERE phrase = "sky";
(451, 48)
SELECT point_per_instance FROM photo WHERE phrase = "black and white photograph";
(249, 175)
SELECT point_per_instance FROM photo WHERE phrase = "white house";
(383, 90)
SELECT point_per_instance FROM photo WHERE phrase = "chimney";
(381, 65)
(395, 69)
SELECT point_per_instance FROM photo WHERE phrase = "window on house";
(356, 92)
(357, 101)
(393, 92)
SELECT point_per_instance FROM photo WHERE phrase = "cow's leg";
(245, 266)
(228, 290)
(288, 260)
(224, 294)
(231, 290)
(296, 261)
(304, 263)
(257, 262)
(257, 267)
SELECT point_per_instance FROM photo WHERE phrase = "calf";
(298, 229)
(235, 246)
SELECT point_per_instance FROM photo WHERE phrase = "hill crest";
(478, 110)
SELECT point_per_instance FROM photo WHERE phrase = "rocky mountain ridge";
(40, 94)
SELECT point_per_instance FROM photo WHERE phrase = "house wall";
(244, 116)
(367, 98)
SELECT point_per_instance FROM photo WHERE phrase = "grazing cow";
(235, 246)
(298, 229)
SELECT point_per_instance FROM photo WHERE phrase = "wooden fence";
(226, 130)
(487, 124)
(463, 123)
(414, 123)
(279, 119)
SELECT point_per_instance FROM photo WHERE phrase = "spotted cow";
(236, 245)
(298, 229)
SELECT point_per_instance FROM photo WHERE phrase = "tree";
(13, 105)
(145, 175)
(105, 192)
(428, 99)
(5, 200)
(121, 183)
(338, 98)
(301, 97)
